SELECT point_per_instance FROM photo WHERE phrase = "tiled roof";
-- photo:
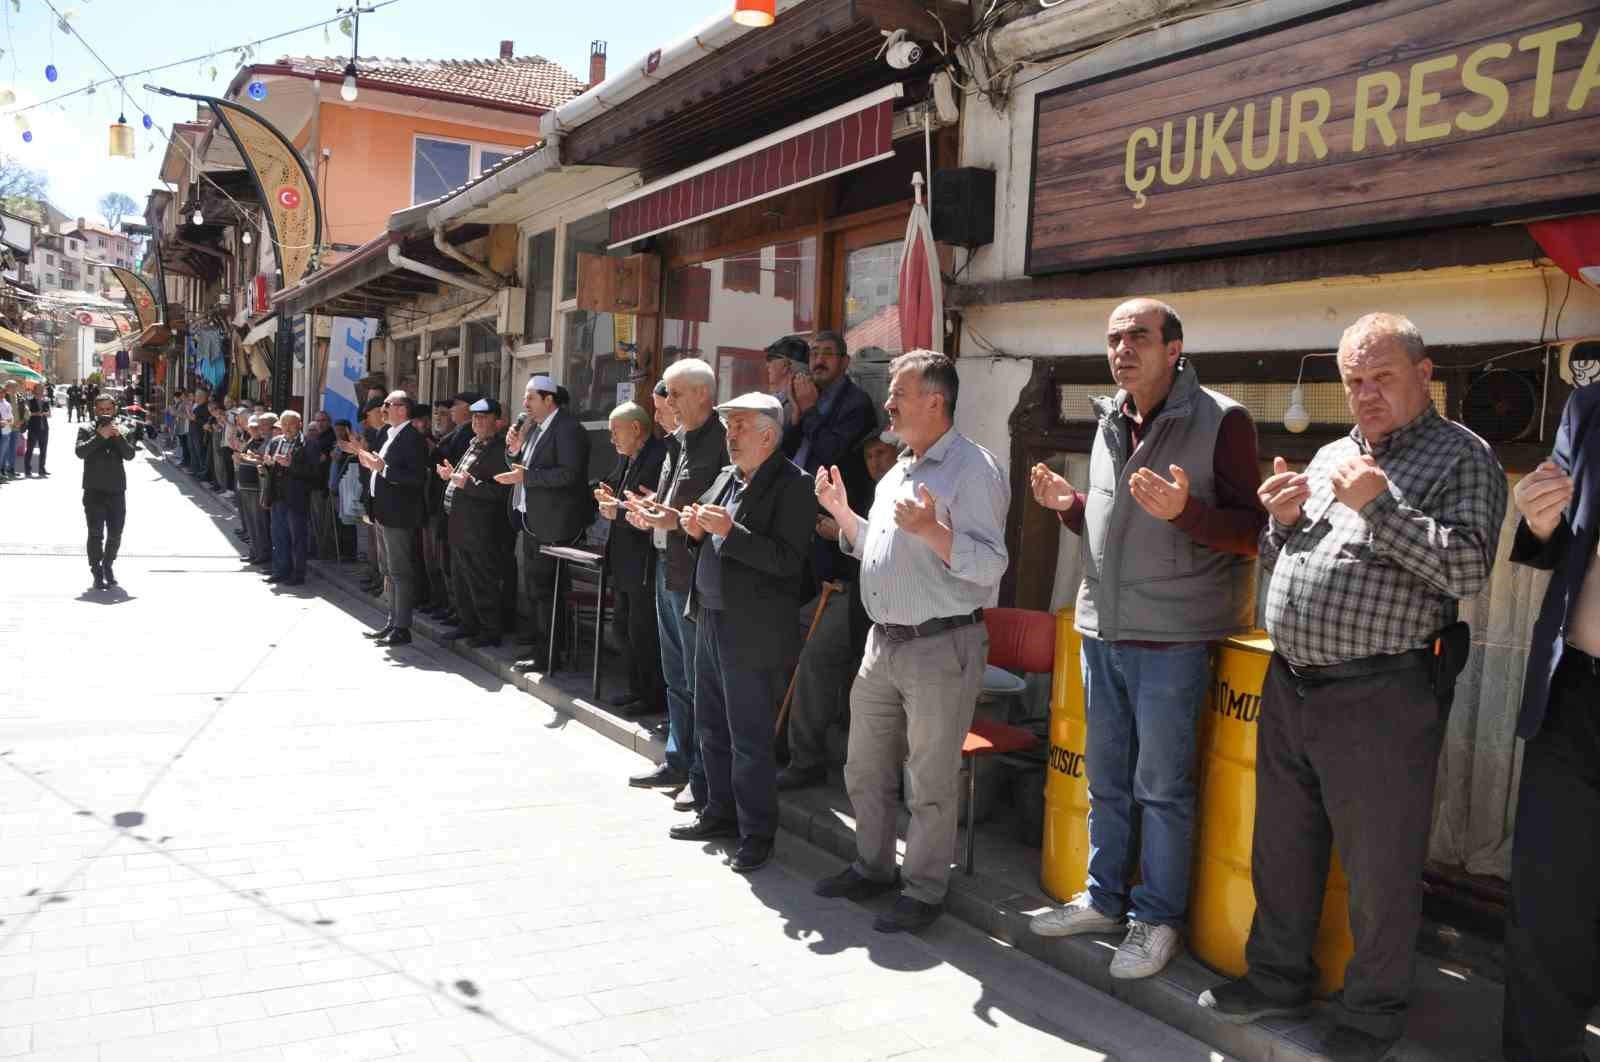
(530, 80)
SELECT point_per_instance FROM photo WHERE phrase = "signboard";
(347, 363)
(1398, 114)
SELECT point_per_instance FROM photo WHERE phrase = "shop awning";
(845, 138)
(16, 344)
(264, 330)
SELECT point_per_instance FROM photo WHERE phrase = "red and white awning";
(849, 136)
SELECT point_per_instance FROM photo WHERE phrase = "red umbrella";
(921, 287)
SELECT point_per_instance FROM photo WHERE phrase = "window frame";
(475, 150)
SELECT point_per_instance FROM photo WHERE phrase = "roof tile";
(530, 80)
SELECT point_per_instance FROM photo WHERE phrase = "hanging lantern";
(7, 97)
(257, 91)
(22, 127)
(347, 89)
(755, 13)
(121, 139)
(245, 238)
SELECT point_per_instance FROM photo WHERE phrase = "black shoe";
(1345, 1043)
(753, 854)
(99, 581)
(704, 829)
(398, 636)
(662, 777)
(849, 885)
(456, 634)
(792, 777)
(105, 569)
(379, 634)
(1240, 1003)
(240, 532)
(275, 578)
(908, 916)
(687, 801)
(484, 641)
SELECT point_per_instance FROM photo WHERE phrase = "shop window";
(596, 377)
(871, 299)
(729, 324)
(539, 280)
(589, 236)
(483, 350)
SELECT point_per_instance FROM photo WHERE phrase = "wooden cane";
(828, 589)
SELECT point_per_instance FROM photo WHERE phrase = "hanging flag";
(921, 286)
(140, 295)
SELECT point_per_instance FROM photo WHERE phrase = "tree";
(22, 189)
(114, 206)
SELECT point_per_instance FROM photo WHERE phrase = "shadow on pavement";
(116, 595)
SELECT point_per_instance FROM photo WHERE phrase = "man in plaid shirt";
(1366, 555)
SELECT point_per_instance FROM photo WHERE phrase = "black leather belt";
(1380, 664)
(1582, 662)
(897, 633)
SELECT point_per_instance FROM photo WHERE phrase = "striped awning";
(849, 136)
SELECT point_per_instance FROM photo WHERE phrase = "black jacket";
(292, 484)
(476, 506)
(766, 560)
(700, 458)
(836, 439)
(103, 460)
(397, 495)
(456, 441)
(560, 505)
(629, 551)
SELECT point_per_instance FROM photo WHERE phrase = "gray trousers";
(911, 705)
(821, 682)
(399, 576)
(1349, 764)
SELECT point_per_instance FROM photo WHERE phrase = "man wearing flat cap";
(550, 506)
(474, 505)
(751, 535)
(788, 360)
(630, 556)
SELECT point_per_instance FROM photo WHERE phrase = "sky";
(70, 137)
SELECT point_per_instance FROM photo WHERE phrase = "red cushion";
(988, 736)
(1021, 639)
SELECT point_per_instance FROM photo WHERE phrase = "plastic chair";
(1020, 639)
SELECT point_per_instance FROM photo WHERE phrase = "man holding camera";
(103, 449)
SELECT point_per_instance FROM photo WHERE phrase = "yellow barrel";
(1222, 901)
(1064, 863)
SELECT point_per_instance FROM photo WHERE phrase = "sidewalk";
(1456, 1009)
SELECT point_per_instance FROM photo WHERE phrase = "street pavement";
(231, 828)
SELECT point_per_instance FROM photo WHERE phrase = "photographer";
(103, 449)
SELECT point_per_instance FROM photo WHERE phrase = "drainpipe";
(449, 250)
(424, 269)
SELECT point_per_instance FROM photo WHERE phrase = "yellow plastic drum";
(1064, 864)
(1223, 902)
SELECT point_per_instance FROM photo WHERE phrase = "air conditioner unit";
(510, 309)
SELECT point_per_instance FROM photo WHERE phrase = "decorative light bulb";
(197, 217)
(246, 239)
(50, 72)
(22, 127)
(148, 121)
(257, 91)
(1296, 418)
(347, 91)
(7, 97)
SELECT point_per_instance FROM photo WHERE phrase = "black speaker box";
(963, 206)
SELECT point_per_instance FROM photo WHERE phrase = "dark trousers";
(38, 439)
(1348, 763)
(183, 446)
(478, 569)
(257, 524)
(735, 708)
(633, 625)
(291, 535)
(434, 563)
(105, 511)
(1553, 925)
(539, 586)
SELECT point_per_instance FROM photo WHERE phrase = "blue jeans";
(1142, 706)
(290, 533)
(8, 450)
(678, 639)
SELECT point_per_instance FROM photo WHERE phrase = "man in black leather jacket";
(103, 449)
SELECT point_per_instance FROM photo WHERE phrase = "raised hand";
(1283, 494)
(1161, 498)
(1541, 497)
(831, 493)
(446, 471)
(689, 519)
(1050, 489)
(1357, 481)
(715, 519)
(657, 517)
(919, 516)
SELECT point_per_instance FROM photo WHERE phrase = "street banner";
(347, 363)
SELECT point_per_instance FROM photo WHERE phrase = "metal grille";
(1267, 402)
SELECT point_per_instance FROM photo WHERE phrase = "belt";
(897, 633)
(1379, 664)
(1582, 662)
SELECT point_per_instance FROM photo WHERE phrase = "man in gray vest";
(1168, 568)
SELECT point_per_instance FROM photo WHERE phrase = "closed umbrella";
(19, 371)
(921, 287)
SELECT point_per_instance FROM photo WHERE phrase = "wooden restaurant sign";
(1398, 114)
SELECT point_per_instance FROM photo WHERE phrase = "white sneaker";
(1145, 951)
(1078, 916)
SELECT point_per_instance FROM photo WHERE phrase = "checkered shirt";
(474, 451)
(1342, 584)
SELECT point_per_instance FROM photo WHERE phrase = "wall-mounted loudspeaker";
(963, 206)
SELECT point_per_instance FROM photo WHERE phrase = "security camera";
(899, 50)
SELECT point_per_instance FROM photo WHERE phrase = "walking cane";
(828, 589)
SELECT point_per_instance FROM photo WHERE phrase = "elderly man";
(788, 359)
(1368, 553)
(752, 538)
(293, 471)
(104, 450)
(1147, 621)
(550, 506)
(247, 462)
(630, 555)
(698, 460)
(1552, 939)
(932, 550)
(399, 469)
(474, 504)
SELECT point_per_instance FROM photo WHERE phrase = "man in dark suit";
(1553, 924)
(454, 417)
(550, 505)
(475, 506)
(399, 473)
(104, 450)
(630, 557)
(752, 533)
(38, 413)
(292, 469)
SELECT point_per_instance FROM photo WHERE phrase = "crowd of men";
(24, 428)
